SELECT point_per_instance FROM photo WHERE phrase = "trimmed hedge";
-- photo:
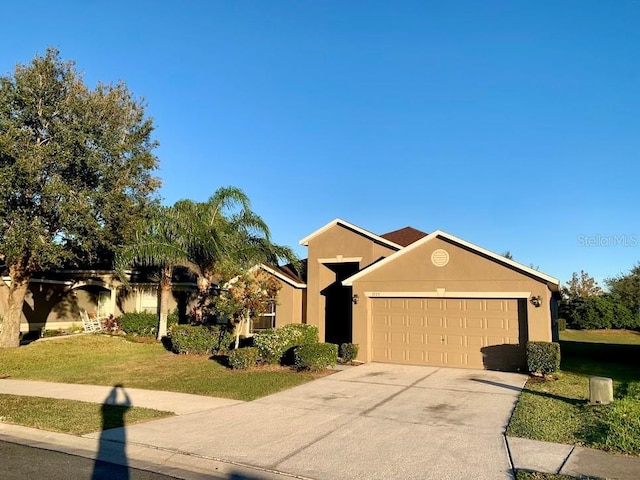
(349, 352)
(273, 344)
(316, 356)
(562, 324)
(243, 358)
(144, 324)
(201, 339)
(543, 357)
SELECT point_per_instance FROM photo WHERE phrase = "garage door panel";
(454, 322)
(450, 332)
(472, 323)
(432, 321)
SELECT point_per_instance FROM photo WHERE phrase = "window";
(265, 320)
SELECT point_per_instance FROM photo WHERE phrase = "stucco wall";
(330, 244)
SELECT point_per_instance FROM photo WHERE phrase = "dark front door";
(338, 305)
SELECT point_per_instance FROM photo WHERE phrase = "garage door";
(471, 333)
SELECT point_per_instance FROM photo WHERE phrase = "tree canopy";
(580, 286)
(76, 173)
(626, 287)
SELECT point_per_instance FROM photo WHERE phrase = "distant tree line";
(587, 306)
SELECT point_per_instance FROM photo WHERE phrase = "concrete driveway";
(375, 421)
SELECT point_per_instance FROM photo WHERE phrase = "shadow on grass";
(619, 362)
(221, 360)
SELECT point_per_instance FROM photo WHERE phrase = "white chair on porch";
(89, 324)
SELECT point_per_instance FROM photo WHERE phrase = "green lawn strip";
(104, 360)
(628, 337)
(69, 416)
(557, 411)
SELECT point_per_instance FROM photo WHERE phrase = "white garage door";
(445, 331)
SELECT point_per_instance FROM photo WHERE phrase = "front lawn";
(104, 360)
(558, 411)
(69, 416)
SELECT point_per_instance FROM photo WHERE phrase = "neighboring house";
(55, 298)
(416, 298)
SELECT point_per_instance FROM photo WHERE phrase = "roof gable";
(283, 274)
(350, 226)
(438, 233)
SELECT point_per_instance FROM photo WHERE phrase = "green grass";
(619, 337)
(68, 416)
(104, 360)
(558, 411)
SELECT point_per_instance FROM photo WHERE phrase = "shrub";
(274, 343)
(111, 324)
(243, 358)
(201, 339)
(348, 352)
(543, 357)
(144, 324)
(562, 324)
(139, 323)
(315, 356)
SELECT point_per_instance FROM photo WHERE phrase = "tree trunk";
(242, 325)
(164, 292)
(10, 333)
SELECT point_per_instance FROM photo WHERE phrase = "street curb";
(142, 457)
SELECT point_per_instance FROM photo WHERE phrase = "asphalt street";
(20, 462)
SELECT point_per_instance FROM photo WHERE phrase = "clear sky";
(514, 124)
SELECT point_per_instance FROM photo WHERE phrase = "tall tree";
(627, 289)
(227, 237)
(76, 173)
(581, 285)
(161, 244)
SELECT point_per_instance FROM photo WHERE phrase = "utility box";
(600, 390)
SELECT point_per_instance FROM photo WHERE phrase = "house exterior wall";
(57, 305)
(466, 272)
(289, 304)
(341, 244)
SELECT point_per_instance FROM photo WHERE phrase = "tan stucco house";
(415, 298)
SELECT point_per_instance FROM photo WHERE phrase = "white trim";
(441, 293)
(439, 233)
(366, 233)
(7, 280)
(282, 277)
(340, 259)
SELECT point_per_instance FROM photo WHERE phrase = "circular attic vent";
(440, 257)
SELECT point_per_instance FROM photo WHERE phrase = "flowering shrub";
(244, 297)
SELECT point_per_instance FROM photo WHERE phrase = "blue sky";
(514, 125)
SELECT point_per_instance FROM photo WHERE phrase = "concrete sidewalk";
(570, 460)
(178, 403)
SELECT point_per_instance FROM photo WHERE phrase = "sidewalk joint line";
(564, 462)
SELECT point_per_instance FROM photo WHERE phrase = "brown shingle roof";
(404, 236)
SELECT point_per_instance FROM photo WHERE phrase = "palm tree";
(226, 237)
(159, 243)
(213, 239)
